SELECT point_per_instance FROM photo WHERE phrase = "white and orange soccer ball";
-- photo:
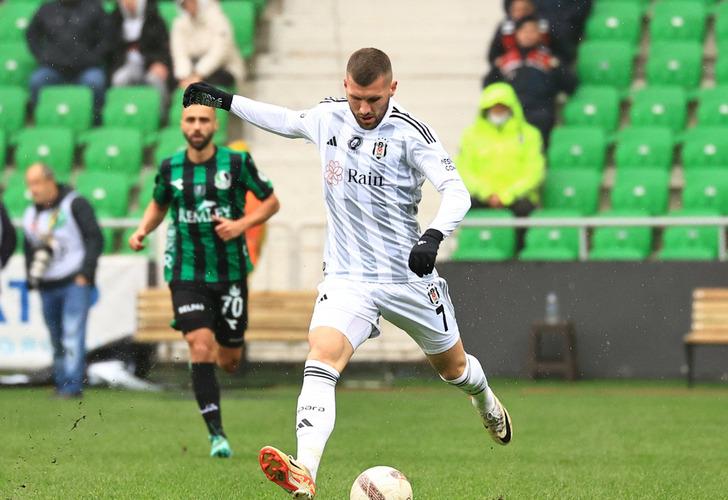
(381, 483)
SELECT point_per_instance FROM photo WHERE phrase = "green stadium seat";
(713, 106)
(175, 116)
(572, 189)
(69, 106)
(593, 106)
(583, 147)
(623, 242)
(146, 187)
(720, 68)
(659, 106)
(675, 63)
(51, 145)
(170, 141)
(644, 147)
(16, 196)
(242, 18)
(720, 24)
(641, 189)
(612, 5)
(705, 147)
(13, 102)
(16, 64)
(690, 242)
(111, 149)
(706, 189)
(108, 192)
(136, 107)
(168, 11)
(606, 63)
(678, 20)
(486, 243)
(551, 243)
(615, 21)
(14, 19)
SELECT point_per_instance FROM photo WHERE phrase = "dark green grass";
(585, 440)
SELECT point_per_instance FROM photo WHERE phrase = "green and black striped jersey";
(196, 192)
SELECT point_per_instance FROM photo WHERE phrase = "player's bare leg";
(228, 358)
(465, 372)
(203, 356)
(330, 351)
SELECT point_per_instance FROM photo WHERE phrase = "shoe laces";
(495, 419)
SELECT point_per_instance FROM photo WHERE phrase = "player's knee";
(200, 350)
(453, 370)
(230, 365)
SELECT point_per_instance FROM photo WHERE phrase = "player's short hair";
(368, 64)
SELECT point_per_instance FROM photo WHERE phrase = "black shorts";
(221, 307)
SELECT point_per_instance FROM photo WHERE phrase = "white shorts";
(422, 309)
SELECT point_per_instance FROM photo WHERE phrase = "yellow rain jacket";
(507, 160)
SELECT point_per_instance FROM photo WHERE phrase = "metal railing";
(586, 223)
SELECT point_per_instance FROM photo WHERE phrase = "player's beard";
(199, 142)
(372, 124)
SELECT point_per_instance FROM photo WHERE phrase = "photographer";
(62, 246)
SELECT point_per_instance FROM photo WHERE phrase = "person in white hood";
(203, 46)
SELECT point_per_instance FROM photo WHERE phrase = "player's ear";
(392, 88)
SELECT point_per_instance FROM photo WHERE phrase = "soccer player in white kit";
(374, 159)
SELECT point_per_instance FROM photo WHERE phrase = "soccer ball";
(381, 483)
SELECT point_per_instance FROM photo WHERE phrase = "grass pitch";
(584, 440)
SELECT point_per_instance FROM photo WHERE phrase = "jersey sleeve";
(430, 158)
(277, 119)
(254, 180)
(162, 193)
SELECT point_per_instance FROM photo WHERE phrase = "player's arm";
(157, 208)
(152, 218)
(262, 188)
(432, 160)
(229, 229)
(276, 119)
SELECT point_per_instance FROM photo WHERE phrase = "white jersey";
(372, 183)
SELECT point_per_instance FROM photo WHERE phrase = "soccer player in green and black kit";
(206, 260)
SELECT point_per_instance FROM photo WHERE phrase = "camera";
(41, 260)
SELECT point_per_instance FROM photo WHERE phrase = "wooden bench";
(709, 323)
(272, 316)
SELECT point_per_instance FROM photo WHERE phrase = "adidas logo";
(304, 423)
(332, 141)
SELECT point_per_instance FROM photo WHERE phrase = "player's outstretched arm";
(276, 119)
(153, 217)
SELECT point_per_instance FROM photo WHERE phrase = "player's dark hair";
(366, 65)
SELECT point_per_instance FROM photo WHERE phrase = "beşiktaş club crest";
(223, 180)
(380, 148)
(433, 294)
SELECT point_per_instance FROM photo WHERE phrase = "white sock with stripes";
(316, 413)
(474, 383)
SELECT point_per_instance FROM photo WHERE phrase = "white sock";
(316, 413)
(474, 383)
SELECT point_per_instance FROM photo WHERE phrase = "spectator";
(70, 41)
(62, 246)
(535, 74)
(504, 38)
(8, 238)
(566, 19)
(500, 158)
(203, 46)
(140, 54)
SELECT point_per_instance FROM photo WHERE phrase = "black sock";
(207, 393)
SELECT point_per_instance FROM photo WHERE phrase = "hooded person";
(501, 159)
(203, 46)
(140, 53)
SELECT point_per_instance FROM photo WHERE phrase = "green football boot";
(220, 447)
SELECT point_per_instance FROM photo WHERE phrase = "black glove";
(207, 95)
(423, 254)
